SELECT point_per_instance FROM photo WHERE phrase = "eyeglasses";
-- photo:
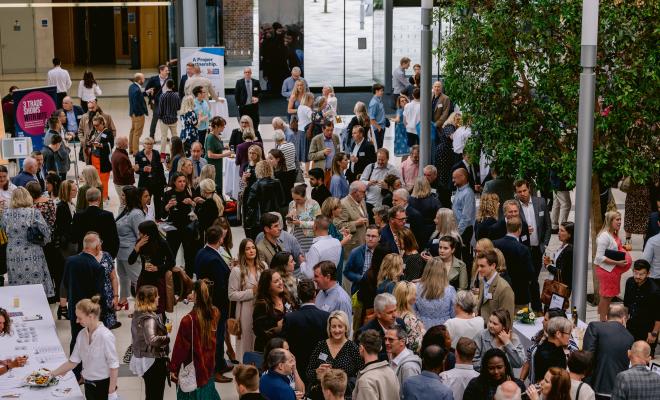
(391, 339)
(402, 219)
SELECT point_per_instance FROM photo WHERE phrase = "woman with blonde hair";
(391, 269)
(243, 281)
(300, 139)
(435, 296)
(487, 215)
(424, 201)
(185, 168)
(26, 262)
(101, 355)
(445, 225)
(296, 98)
(249, 140)
(608, 270)
(210, 207)
(406, 295)
(92, 179)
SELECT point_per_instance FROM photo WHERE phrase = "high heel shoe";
(121, 306)
(63, 312)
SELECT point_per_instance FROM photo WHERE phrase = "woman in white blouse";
(608, 270)
(88, 89)
(465, 323)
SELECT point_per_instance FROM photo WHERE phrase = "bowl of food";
(41, 378)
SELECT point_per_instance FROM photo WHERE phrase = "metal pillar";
(585, 153)
(189, 23)
(388, 6)
(202, 24)
(425, 117)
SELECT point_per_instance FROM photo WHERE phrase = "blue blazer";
(210, 265)
(387, 240)
(136, 104)
(518, 265)
(83, 278)
(498, 231)
(303, 329)
(354, 266)
(653, 228)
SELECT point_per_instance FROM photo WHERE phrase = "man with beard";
(85, 127)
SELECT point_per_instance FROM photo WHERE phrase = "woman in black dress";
(561, 263)
(179, 203)
(151, 173)
(412, 260)
(156, 259)
(487, 215)
(334, 352)
(444, 151)
(273, 301)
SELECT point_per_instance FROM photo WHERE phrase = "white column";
(189, 23)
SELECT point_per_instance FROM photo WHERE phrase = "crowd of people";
(381, 282)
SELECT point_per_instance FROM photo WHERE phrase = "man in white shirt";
(324, 248)
(374, 175)
(458, 378)
(411, 116)
(60, 78)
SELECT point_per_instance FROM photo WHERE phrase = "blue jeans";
(220, 361)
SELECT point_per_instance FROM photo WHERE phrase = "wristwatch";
(654, 334)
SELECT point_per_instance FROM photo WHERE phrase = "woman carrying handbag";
(193, 356)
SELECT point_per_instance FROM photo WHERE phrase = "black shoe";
(63, 312)
(116, 325)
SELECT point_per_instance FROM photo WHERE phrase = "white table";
(219, 108)
(230, 177)
(36, 339)
(525, 332)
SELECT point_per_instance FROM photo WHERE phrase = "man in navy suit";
(305, 327)
(190, 71)
(137, 109)
(421, 230)
(498, 229)
(385, 310)
(518, 262)
(534, 211)
(362, 154)
(398, 219)
(210, 265)
(94, 219)
(364, 257)
(246, 95)
(154, 89)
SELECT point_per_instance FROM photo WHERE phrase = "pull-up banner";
(211, 61)
(32, 108)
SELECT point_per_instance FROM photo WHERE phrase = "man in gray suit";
(609, 341)
(534, 211)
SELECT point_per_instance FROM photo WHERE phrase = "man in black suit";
(154, 88)
(498, 229)
(305, 327)
(415, 222)
(535, 212)
(93, 219)
(397, 220)
(190, 71)
(83, 278)
(362, 154)
(609, 341)
(437, 188)
(385, 309)
(210, 265)
(518, 262)
(247, 94)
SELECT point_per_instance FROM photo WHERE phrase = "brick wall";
(237, 29)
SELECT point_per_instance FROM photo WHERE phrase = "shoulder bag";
(34, 234)
(187, 376)
(551, 287)
(293, 123)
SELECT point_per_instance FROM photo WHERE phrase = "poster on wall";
(281, 38)
(212, 62)
(32, 108)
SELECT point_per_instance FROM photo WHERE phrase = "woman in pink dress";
(609, 270)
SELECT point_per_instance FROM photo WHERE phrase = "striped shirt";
(168, 107)
(289, 151)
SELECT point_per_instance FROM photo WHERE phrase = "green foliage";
(513, 66)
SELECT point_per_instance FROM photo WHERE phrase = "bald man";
(137, 109)
(508, 391)
(122, 169)
(638, 382)
(27, 174)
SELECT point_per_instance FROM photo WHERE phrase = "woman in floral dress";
(26, 263)
(401, 148)
(189, 119)
(300, 218)
(110, 290)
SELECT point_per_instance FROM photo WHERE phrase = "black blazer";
(498, 231)
(236, 138)
(157, 179)
(442, 192)
(265, 195)
(482, 229)
(63, 229)
(366, 155)
(83, 278)
(154, 83)
(100, 221)
(421, 229)
(210, 265)
(387, 240)
(241, 95)
(565, 265)
(609, 342)
(303, 329)
(518, 265)
(107, 141)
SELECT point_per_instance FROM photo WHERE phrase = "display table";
(230, 177)
(219, 108)
(36, 339)
(525, 332)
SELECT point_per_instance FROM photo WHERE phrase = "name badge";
(103, 135)
(435, 241)
(434, 191)
(323, 356)
(361, 154)
(523, 238)
(325, 307)
(488, 296)
(541, 213)
(407, 225)
(144, 159)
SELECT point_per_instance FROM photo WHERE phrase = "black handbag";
(34, 234)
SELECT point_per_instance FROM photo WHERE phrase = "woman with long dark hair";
(88, 89)
(287, 178)
(495, 370)
(273, 301)
(195, 342)
(63, 234)
(284, 263)
(176, 154)
(179, 203)
(560, 265)
(152, 175)
(100, 144)
(156, 259)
